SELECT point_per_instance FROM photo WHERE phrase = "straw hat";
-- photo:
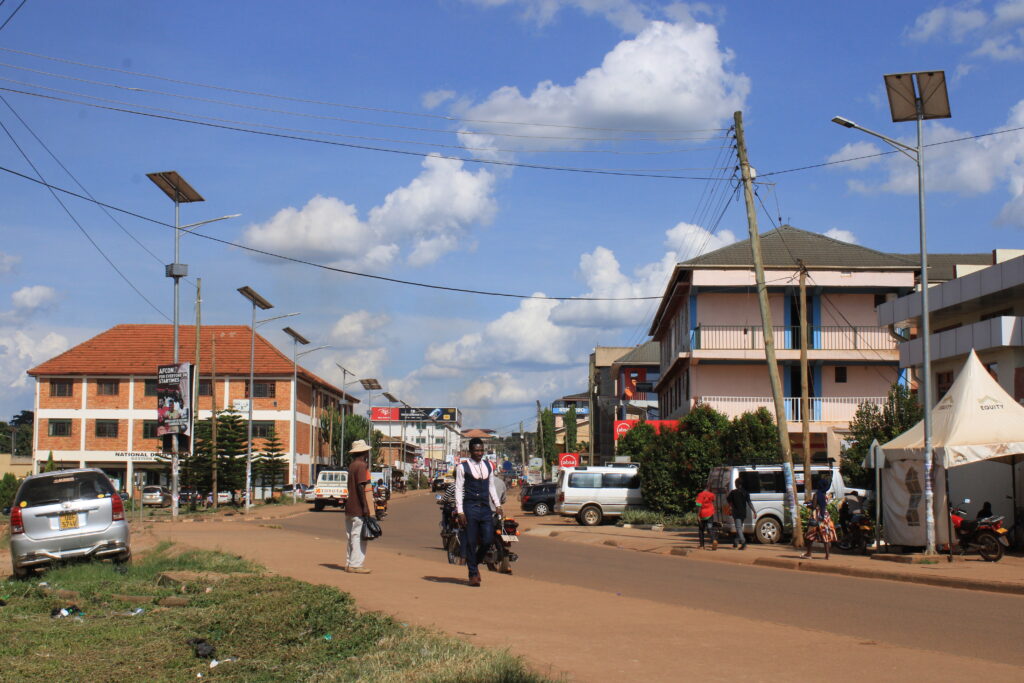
(358, 446)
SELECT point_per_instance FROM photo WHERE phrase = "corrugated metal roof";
(646, 354)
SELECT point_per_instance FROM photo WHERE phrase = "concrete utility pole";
(805, 401)
(213, 416)
(522, 445)
(197, 380)
(769, 339)
(540, 441)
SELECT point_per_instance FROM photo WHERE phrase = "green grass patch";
(640, 516)
(279, 628)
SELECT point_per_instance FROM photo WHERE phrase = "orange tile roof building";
(95, 404)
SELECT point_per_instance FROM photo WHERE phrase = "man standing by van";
(739, 503)
(474, 496)
(357, 507)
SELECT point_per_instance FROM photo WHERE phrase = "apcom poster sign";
(174, 399)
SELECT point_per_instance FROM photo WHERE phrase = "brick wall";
(59, 443)
(48, 401)
(140, 444)
(279, 402)
(95, 443)
(95, 400)
(305, 397)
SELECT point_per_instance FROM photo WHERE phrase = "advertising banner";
(383, 414)
(428, 414)
(623, 426)
(173, 399)
(581, 409)
(568, 459)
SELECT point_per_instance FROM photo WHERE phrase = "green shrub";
(8, 487)
(647, 516)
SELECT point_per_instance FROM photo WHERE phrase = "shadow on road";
(446, 579)
(332, 565)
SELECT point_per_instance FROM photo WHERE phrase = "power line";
(321, 266)
(382, 110)
(16, 10)
(52, 189)
(369, 148)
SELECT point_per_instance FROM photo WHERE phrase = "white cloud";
(505, 389)
(669, 77)
(435, 98)
(625, 14)
(358, 330)
(854, 150)
(1010, 11)
(969, 167)
(8, 262)
(841, 235)
(428, 217)
(359, 363)
(20, 351)
(1002, 48)
(33, 297)
(953, 23)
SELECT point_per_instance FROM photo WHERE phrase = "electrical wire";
(321, 266)
(85, 232)
(16, 10)
(383, 110)
(369, 148)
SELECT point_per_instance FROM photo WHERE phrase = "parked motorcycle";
(985, 536)
(450, 541)
(856, 528)
(497, 557)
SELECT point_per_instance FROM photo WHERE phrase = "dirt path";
(584, 634)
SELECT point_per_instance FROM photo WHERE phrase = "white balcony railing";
(820, 337)
(835, 409)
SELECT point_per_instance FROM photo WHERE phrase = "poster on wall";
(173, 399)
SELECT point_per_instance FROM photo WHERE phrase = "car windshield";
(63, 488)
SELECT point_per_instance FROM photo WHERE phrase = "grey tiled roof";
(941, 266)
(784, 246)
(645, 354)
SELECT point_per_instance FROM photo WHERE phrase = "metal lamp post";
(391, 401)
(371, 385)
(296, 340)
(915, 97)
(344, 373)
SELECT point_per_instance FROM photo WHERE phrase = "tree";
(752, 439)
(8, 487)
(50, 466)
(271, 465)
(547, 447)
(700, 447)
(570, 429)
(900, 412)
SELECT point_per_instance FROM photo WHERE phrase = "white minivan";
(592, 493)
(766, 486)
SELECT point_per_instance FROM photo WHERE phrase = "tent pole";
(949, 517)
(878, 498)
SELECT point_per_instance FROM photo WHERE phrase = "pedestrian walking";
(820, 527)
(475, 495)
(357, 506)
(706, 518)
(739, 503)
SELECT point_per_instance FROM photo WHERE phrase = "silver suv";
(67, 515)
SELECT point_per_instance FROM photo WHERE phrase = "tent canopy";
(976, 420)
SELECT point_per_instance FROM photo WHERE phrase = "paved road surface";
(967, 623)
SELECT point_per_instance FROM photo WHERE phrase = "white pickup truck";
(331, 489)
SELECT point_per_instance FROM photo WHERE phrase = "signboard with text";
(386, 414)
(623, 426)
(173, 399)
(566, 460)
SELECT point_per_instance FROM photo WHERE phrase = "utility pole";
(805, 401)
(195, 386)
(540, 441)
(522, 446)
(769, 339)
(214, 457)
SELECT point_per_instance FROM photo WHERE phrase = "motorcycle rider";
(475, 496)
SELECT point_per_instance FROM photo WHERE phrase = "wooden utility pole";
(540, 441)
(805, 400)
(769, 339)
(213, 417)
(522, 445)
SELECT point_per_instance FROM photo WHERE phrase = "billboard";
(173, 399)
(428, 414)
(581, 409)
(568, 459)
(623, 426)
(383, 414)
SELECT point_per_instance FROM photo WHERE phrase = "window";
(943, 381)
(438, 439)
(108, 387)
(262, 430)
(263, 390)
(61, 387)
(619, 481)
(106, 429)
(585, 480)
(150, 387)
(59, 428)
(840, 374)
(205, 387)
(149, 429)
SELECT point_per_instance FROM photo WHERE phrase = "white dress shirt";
(478, 470)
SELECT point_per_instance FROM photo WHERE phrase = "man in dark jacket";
(739, 503)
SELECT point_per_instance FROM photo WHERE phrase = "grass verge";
(652, 517)
(279, 628)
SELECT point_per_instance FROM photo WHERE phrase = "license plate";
(69, 520)
(509, 539)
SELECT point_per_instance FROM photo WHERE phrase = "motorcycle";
(857, 529)
(380, 503)
(986, 536)
(450, 532)
(497, 557)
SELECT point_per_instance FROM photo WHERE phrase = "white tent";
(975, 421)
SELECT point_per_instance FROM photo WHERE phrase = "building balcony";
(822, 409)
(1001, 331)
(819, 338)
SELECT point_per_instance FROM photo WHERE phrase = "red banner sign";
(568, 459)
(382, 414)
(623, 426)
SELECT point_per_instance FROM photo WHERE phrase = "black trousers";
(478, 534)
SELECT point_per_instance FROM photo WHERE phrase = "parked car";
(71, 514)
(298, 490)
(766, 486)
(223, 497)
(590, 494)
(437, 484)
(157, 496)
(539, 498)
(309, 495)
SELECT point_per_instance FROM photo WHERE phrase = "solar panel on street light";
(257, 300)
(370, 384)
(904, 90)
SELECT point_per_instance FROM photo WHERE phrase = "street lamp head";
(843, 122)
(257, 300)
(296, 336)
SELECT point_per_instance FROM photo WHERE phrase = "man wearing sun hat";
(357, 507)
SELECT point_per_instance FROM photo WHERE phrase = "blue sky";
(563, 83)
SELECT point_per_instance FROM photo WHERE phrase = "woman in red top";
(706, 514)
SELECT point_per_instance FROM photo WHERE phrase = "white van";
(331, 489)
(592, 493)
(766, 486)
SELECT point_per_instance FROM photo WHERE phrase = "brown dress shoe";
(474, 580)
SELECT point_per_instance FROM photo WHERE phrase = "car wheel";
(541, 509)
(591, 516)
(768, 530)
(318, 505)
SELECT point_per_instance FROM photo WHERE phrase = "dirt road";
(601, 614)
